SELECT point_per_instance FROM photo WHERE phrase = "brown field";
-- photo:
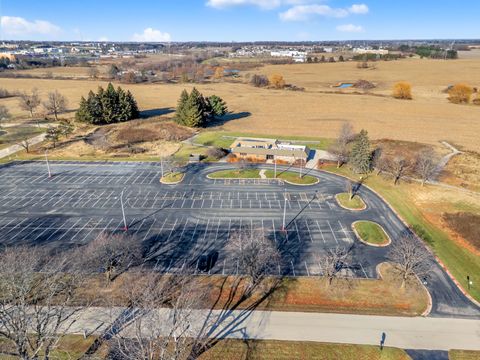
(428, 118)
(70, 71)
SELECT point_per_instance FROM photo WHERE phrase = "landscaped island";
(371, 233)
(351, 203)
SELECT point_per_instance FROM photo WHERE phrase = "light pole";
(161, 165)
(284, 210)
(125, 226)
(275, 162)
(48, 164)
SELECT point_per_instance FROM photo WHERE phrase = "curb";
(346, 208)
(277, 179)
(367, 243)
(442, 265)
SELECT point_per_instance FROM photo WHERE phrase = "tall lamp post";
(125, 225)
(48, 164)
(284, 210)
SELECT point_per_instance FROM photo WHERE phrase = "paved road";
(180, 223)
(405, 333)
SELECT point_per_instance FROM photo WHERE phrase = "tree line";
(107, 106)
(195, 110)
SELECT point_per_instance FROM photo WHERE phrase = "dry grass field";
(428, 118)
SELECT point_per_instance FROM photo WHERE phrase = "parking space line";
(321, 232)
(335, 236)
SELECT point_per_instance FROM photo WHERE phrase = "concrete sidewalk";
(16, 148)
(401, 332)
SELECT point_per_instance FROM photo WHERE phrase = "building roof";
(260, 146)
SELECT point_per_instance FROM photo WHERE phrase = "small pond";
(344, 85)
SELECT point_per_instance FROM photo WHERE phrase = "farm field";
(428, 118)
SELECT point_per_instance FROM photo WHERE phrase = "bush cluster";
(194, 110)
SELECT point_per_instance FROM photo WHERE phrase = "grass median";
(292, 177)
(355, 203)
(371, 233)
(236, 174)
(172, 178)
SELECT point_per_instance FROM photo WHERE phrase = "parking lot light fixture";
(275, 163)
(284, 211)
(48, 164)
(125, 225)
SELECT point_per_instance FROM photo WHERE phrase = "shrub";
(216, 153)
(277, 81)
(460, 94)
(259, 80)
(402, 90)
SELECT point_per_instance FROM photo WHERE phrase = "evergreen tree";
(361, 156)
(194, 110)
(107, 106)
(218, 106)
(181, 107)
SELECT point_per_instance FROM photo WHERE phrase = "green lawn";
(173, 177)
(15, 135)
(371, 232)
(278, 350)
(459, 261)
(356, 203)
(224, 139)
(292, 177)
(236, 174)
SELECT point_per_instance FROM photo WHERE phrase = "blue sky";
(238, 20)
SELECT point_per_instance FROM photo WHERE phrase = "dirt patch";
(364, 85)
(466, 225)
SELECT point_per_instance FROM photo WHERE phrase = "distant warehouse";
(268, 149)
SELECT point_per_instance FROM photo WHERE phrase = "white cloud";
(304, 12)
(152, 35)
(265, 4)
(358, 9)
(350, 28)
(18, 26)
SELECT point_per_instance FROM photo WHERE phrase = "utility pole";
(125, 226)
(161, 165)
(48, 164)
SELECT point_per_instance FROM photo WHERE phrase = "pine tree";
(181, 108)
(82, 113)
(217, 105)
(361, 156)
(109, 100)
(194, 110)
(134, 112)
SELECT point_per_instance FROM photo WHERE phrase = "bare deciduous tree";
(398, 166)
(25, 143)
(410, 258)
(256, 254)
(349, 189)
(93, 72)
(36, 301)
(30, 102)
(113, 254)
(340, 147)
(332, 262)
(425, 165)
(156, 333)
(4, 114)
(55, 104)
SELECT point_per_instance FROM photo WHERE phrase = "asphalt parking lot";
(179, 224)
